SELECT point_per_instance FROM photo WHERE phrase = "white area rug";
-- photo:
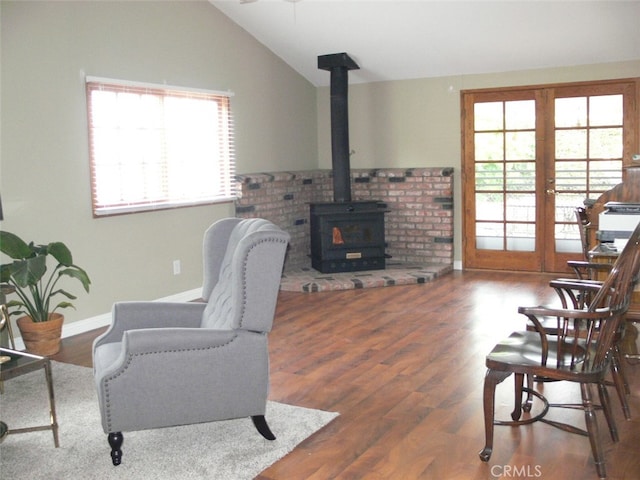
(219, 450)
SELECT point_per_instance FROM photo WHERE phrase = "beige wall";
(282, 123)
(416, 123)
(48, 47)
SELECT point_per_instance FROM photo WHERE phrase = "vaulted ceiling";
(396, 39)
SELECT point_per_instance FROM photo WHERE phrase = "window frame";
(162, 182)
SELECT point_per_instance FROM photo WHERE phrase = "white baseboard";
(82, 326)
(457, 264)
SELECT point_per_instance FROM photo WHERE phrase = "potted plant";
(37, 289)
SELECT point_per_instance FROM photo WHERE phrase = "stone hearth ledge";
(308, 280)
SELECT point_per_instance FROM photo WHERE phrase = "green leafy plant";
(28, 274)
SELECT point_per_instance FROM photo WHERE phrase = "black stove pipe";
(339, 65)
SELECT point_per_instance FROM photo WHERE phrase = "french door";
(530, 157)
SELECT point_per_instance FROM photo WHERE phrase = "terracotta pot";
(42, 338)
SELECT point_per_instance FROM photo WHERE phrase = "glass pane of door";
(505, 175)
(588, 158)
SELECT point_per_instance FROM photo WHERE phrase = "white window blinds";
(155, 147)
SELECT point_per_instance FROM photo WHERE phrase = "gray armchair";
(165, 364)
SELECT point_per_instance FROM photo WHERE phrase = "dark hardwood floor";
(404, 367)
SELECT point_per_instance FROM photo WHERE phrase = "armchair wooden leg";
(606, 407)
(261, 424)
(519, 405)
(491, 380)
(528, 404)
(115, 440)
(592, 428)
(620, 381)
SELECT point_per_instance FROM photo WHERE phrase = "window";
(155, 147)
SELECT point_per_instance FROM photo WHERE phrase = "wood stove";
(345, 235)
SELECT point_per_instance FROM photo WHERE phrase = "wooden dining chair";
(583, 222)
(579, 350)
(579, 293)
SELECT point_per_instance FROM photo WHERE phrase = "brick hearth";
(307, 279)
(418, 226)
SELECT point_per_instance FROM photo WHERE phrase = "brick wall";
(418, 226)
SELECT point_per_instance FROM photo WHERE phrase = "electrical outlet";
(176, 267)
